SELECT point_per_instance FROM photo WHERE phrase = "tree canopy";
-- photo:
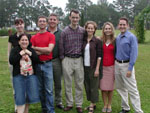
(100, 12)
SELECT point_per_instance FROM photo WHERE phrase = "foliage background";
(100, 12)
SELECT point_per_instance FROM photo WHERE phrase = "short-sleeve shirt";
(13, 39)
(43, 40)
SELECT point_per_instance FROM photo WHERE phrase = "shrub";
(139, 24)
(5, 32)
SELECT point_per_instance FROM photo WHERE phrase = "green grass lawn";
(142, 75)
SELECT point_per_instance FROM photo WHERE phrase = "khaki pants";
(73, 67)
(125, 85)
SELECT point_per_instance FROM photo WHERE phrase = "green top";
(56, 48)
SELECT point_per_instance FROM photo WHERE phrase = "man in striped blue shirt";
(126, 55)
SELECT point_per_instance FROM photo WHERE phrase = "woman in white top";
(92, 50)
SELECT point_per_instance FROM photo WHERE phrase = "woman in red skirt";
(107, 82)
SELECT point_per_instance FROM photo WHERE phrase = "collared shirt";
(71, 41)
(127, 48)
(57, 37)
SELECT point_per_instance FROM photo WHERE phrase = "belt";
(122, 61)
(74, 56)
(43, 62)
(55, 58)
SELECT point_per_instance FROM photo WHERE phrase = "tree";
(100, 13)
(8, 10)
(125, 8)
(72, 4)
(139, 23)
(139, 5)
(59, 12)
(29, 10)
(80, 5)
(105, 13)
(99, 2)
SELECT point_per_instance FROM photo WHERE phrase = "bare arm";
(96, 74)
(44, 50)
(8, 51)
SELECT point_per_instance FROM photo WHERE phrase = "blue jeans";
(45, 76)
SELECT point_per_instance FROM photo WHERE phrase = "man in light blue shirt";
(126, 55)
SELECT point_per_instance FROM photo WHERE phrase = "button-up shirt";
(71, 41)
(127, 48)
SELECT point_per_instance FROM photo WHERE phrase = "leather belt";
(43, 62)
(55, 58)
(122, 61)
(74, 56)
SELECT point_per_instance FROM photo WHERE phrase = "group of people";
(74, 52)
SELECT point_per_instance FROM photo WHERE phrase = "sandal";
(91, 109)
(104, 110)
(87, 108)
(109, 110)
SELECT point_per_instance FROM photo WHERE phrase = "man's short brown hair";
(54, 14)
(124, 18)
(75, 11)
(42, 16)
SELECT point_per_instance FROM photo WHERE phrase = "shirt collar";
(93, 39)
(55, 30)
(74, 29)
(124, 35)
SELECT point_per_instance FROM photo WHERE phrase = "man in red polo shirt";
(43, 43)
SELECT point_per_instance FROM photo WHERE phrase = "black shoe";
(44, 111)
(68, 108)
(124, 111)
(60, 106)
(79, 109)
